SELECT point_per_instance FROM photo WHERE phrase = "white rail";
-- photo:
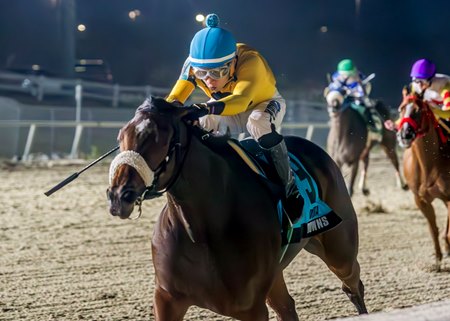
(80, 126)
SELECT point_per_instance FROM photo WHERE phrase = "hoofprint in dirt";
(65, 258)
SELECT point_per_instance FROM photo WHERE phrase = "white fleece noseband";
(135, 160)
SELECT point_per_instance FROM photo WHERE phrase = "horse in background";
(350, 141)
(426, 163)
(217, 241)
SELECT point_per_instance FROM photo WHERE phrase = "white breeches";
(255, 122)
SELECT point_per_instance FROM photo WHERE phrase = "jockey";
(434, 88)
(349, 85)
(242, 91)
(346, 82)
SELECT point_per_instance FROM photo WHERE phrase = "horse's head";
(147, 145)
(414, 119)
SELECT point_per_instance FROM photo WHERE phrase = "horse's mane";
(216, 142)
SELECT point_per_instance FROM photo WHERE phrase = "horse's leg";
(280, 300)
(353, 171)
(338, 248)
(168, 308)
(392, 155)
(428, 211)
(447, 232)
(365, 159)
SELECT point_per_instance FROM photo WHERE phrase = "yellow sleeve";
(181, 91)
(254, 81)
(441, 113)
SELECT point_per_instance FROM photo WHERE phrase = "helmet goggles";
(214, 73)
(421, 81)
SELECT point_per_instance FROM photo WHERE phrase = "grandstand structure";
(68, 118)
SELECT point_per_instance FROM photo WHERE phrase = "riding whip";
(75, 175)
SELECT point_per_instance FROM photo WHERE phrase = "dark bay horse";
(217, 241)
(426, 163)
(349, 142)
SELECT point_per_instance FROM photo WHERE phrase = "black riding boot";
(278, 155)
(280, 160)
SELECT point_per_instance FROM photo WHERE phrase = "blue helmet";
(212, 46)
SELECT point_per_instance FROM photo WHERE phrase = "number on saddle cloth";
(316, 216)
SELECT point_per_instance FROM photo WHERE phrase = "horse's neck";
(202, 174)
(198, 194)
(430, 150)
(345, 123)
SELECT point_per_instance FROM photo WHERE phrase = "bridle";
(426, 112)
(174, 155)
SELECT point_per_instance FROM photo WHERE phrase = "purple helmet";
(423, 69)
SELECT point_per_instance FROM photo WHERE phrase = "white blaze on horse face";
(146, 126)
(408, 110)
(142, 126)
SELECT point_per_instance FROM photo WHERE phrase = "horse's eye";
(129, 196)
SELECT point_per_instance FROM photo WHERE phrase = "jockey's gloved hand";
(200, 109)
(177, 103)
(195, 111)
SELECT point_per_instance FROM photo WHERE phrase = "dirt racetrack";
(65, 258)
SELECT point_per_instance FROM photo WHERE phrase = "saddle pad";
(316, 215)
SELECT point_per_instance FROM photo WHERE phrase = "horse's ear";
(405, 91)
(146, 105)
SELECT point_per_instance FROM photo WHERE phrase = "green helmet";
(346, 66)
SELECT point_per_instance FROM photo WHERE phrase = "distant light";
(36, 67)
(81, 27)
(134, 14)
(357, 8)
(324, 29)
(200, 17)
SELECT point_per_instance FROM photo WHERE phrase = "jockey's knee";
(258, 124)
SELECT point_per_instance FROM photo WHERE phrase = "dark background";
(381, 36)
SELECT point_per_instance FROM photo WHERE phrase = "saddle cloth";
(315, 217)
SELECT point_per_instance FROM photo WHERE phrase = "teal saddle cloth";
(314, 216)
